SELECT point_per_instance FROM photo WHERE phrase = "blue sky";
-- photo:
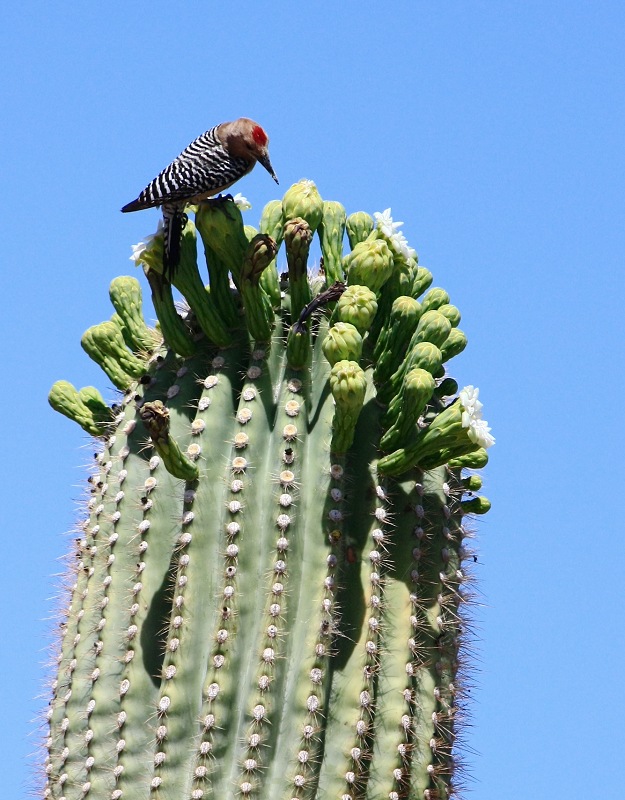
(495, 131)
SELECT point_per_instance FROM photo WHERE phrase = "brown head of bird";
(246, 139)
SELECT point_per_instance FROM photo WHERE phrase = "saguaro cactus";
(269, 583)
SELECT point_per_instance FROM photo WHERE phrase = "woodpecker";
(208, 166)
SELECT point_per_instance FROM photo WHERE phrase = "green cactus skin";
(416, 391)
(392, 343)
(271, 223)
(269, 591)
(105, 344)
(126, 297)
(298, 347)
(81, 406)
(176, 333)
(201, 302)
(331, 234)
(424, 355)
(221, 227)
(348, 384)
(259, 254)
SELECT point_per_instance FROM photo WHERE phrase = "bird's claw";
(217, 201)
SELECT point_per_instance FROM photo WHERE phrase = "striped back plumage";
(203, 168)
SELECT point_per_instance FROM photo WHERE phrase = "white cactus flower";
(478, 429)
(479, 432)
(307, 185)
(390, 230)
(241, 202)
(399, 244)
(142, 247)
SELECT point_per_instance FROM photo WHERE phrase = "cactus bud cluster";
(269, 589)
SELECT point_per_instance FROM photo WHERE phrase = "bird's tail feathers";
(173, 225)
(136, 205)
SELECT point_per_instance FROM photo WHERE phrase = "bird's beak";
(264, 160)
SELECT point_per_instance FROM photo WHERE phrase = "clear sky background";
(495, 130)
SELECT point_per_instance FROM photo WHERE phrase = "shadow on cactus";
(270, 588)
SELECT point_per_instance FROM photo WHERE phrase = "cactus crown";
(269, 584)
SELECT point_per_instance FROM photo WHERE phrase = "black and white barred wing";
(202, 169)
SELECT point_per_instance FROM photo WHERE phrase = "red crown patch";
(259, 136)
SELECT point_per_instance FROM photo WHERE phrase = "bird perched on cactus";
(208, 166)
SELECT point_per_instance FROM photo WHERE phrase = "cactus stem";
(269, 593)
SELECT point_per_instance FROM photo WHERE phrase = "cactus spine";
(269, 587)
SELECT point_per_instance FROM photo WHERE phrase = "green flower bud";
(271, 284)
(444, 438)
(222, 295)
(271, 223)
(477, 505)
(393, 340)
(424, 355)
(105, 344)
(258, 309)
(369, 264)
(298, 351)
(422, 280)
(66, 400)
(448, 387)
(172, 326)
(400, 282)
(303, 200)
(260, 253)
(452, 313)
(472, 483)
(357, 305)
(125, 294)
(454, 344)
(475, 460)
(94, 401)
(433, 299)
(433, 327)
(297, 238)
(415, 393)
(342, 343)
(331, 232)
(119, 322)
(348, 385)
(205, 305)
(359, 226)
(398, 285)
(222, 230)
(458, 429)
(155, 417)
